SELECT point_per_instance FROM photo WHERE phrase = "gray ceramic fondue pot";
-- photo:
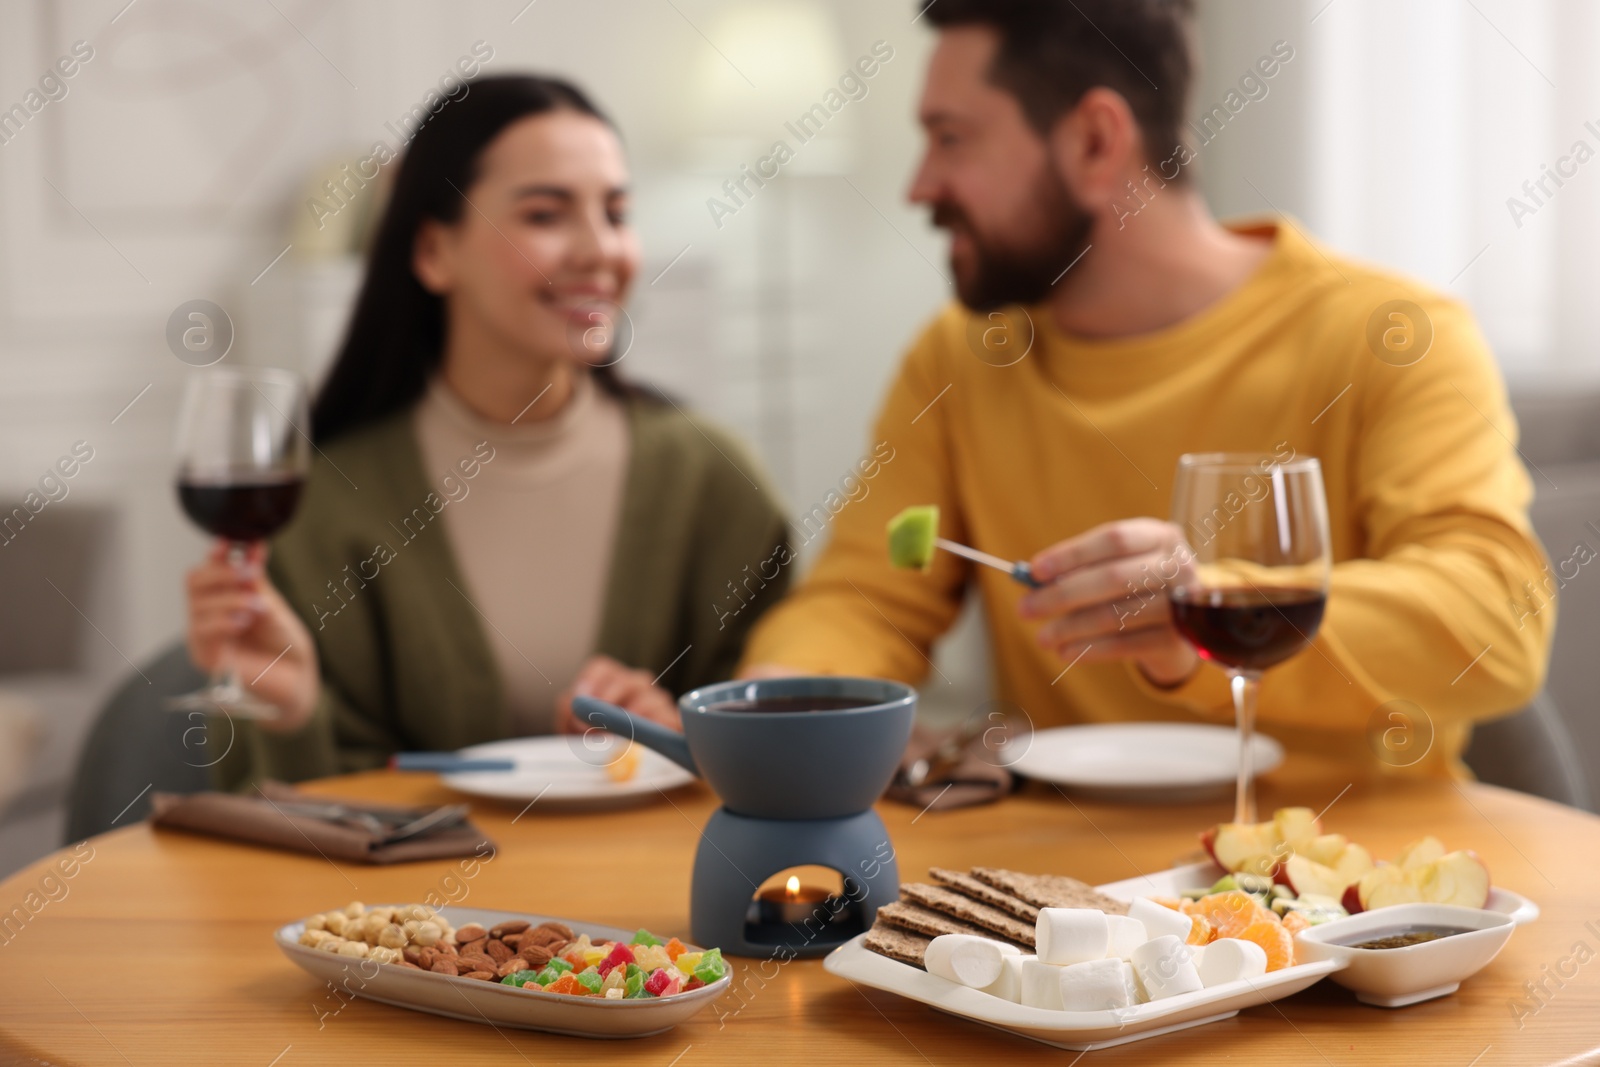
(781, 764)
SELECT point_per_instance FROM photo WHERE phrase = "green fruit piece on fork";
(912, 537)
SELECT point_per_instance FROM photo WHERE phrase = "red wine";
(243, 507)
(1250, 628)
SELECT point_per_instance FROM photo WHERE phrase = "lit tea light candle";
(794, 903)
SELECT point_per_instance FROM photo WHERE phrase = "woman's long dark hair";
(395, 339)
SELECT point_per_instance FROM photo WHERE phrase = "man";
(1050, 432)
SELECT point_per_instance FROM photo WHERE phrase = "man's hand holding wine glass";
(1104, 596)
(238, 620)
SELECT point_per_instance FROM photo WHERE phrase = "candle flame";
(792, 886)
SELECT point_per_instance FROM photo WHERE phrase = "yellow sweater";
(1430, 600)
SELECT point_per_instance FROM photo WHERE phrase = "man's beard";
(1005, 272)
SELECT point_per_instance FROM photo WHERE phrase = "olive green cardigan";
(404, 659)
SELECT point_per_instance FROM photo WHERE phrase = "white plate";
(475, 1001)
(1087, 1030)
(1152, 761)
(554, 771)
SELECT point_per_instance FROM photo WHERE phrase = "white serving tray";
(1088, 1030)
(500, 1005)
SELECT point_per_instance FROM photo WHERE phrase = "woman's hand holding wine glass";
(237, 619)
(242, 462)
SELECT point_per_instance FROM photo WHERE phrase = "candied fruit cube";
(711, 966)
(645, 937)
(619, 955)
(651, 957)
(590, 980)
(688, 961)
(664, 982)
(675, 948)
(567, 983)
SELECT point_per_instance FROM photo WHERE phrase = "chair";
(138, 747)
(1531, 751)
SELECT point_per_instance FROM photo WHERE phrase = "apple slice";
(1352, 863)
(1296, 827)
(1420, 853)
(1458, 878)
(1385, 885)
(1308, 876)
(1245, 847)
(1325, 848)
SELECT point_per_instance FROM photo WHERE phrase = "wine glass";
(1252, 591)
(242, 461)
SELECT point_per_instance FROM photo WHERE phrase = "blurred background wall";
(180, 162)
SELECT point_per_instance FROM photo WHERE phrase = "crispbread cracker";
(983, 893)
(957, 906)
(929, 923)
(896, 943)
(1049, 890)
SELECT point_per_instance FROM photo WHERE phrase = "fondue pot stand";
(797, 788)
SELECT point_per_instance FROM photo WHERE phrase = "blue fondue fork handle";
(446, 763)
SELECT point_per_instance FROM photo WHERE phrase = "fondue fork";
(1020, 570)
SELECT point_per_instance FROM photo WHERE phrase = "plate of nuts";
(491, 967)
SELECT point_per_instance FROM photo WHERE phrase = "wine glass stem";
(226, 676)
(1245, 685)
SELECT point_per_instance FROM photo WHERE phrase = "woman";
(494, 519)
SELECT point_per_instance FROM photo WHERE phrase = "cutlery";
(1019, 570)
(437, 819)
(944, 758)
(446, 763)
(387, 827)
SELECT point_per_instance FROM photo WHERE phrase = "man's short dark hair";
(1053, 51)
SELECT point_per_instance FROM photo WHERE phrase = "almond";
(427, 957)
(563, 929)
(476, 963)
(413, 954)
(474, 946)
(444, 967)
(482, 976)
(413, 966)
(515, 926)
(512, 966)
(537, 956)
(498, 951)
(470, 932)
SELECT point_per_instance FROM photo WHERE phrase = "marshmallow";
(1159, 921)
(1098, 985)
(1041, 984)
(1229, 959)
(1127, 934)
(1009, 985)
(1064, 936)
(1164, 968)
(971, 961)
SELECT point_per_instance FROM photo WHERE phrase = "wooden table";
(158, 950)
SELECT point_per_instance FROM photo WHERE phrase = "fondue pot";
(797, 787)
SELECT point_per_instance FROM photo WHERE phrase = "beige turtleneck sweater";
(533, 532)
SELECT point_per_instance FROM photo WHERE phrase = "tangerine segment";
(1275, 939)
(1296, 921)
(1200, 932)
(1228, 913)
